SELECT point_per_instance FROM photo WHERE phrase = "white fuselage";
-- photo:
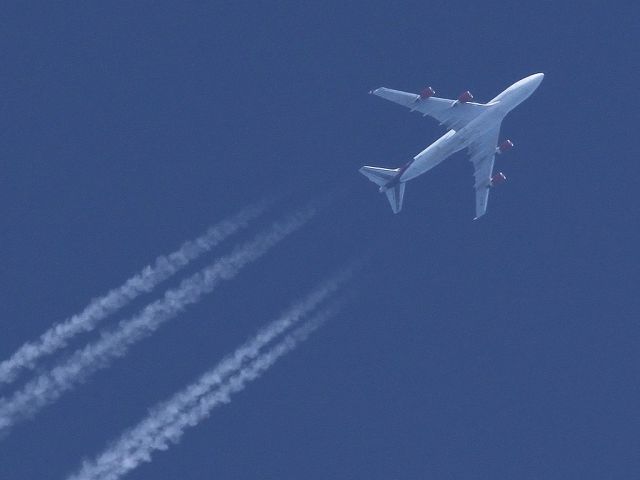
(454, 141)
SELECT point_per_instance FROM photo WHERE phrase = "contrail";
(166, 424)
(163, 416)
(50, 385)
(163, 267)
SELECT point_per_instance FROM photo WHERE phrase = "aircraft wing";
(482, 154)
(450, 113)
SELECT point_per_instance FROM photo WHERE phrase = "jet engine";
(504, 146)
(465, 97)
(427, 93)
(497, 179)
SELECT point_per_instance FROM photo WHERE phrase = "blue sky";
(503, 348)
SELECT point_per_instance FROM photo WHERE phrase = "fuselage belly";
(453, 141)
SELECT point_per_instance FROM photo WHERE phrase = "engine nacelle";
(428, 92)
(465, 97)
(504, 146)
(497, 179)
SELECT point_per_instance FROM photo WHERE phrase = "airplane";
(474, 126)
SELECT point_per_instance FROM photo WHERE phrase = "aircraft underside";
(474, 126)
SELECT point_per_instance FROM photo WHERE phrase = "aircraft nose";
(536, 79)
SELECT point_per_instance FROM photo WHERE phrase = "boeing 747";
(474, 126)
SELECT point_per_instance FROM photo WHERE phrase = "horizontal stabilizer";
(379, 176)
(395, 196)
(384, 178)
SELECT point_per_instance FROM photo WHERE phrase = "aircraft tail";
(379, 176)
(383, 177)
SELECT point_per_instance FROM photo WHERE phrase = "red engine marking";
(427, 93)
(498, 178)
(506, 145)
(465, 97)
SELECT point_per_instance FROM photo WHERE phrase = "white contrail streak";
(141, 438)
(50, 385)
(166, 424)
(163, 267)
